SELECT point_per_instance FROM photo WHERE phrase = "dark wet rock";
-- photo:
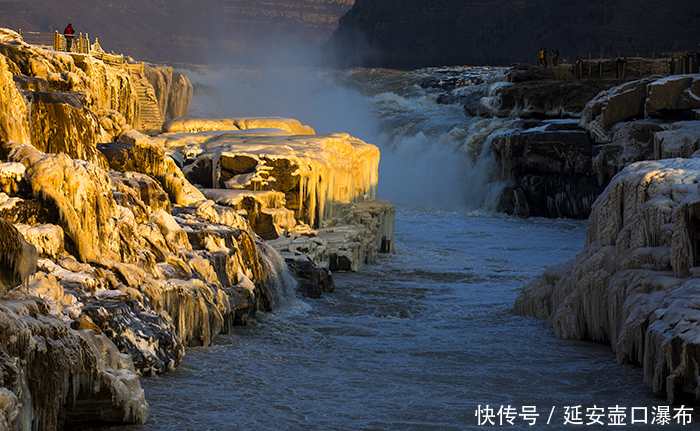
(548, 99)
(17, 257)
(552, 170)
(30, 83)
(31, 212)
(243, 305)
(313, 281)
(119, 155)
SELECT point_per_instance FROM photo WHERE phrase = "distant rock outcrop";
(408, 34)
(565, 153)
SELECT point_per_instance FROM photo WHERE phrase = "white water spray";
(279, 283)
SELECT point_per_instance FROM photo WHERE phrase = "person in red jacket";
(69, 34)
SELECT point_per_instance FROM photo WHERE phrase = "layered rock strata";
(635, 284)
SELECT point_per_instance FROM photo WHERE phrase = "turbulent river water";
(425, 339)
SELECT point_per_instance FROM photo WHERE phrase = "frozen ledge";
(311, 195)
(636, 284)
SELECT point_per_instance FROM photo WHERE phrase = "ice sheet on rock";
(196, 125)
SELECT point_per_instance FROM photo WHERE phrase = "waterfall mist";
(432, 154)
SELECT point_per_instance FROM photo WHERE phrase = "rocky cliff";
(573, 135)
(409, 34)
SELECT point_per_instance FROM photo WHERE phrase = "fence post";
(56, 41)
(20, 32)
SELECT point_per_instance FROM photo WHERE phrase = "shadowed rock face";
(408, 34)
(552, 170)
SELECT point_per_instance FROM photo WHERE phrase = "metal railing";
(80, 45)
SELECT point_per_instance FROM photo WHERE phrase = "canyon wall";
(409, 34)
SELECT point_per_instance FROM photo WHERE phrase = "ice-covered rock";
(621, 103)
(129, 255)
(682, 139)
(347, 242)
(671, 98)
(316, 172)
(675, 96)
(173, 90)
(55, 375)
(196, 125)
(634, 285)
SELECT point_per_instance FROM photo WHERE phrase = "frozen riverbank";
(115, 256)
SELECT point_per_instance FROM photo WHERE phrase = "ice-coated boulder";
(634, 285)
(618, 104)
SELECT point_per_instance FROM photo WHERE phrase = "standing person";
(540, 57)
(555, 58)
(578, 68)
(672, 66)
(69, 34)
(544, 56)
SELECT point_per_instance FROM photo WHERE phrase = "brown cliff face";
(408, 34)
(184, 30)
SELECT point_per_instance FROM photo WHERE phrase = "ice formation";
(635, 283)
(107, 245)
